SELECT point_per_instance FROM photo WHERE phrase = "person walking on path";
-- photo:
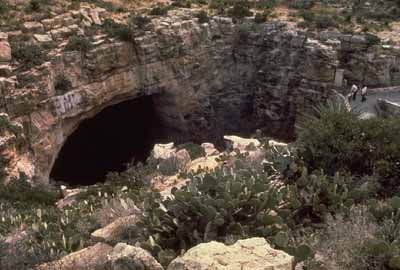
(363, 94)
(353, 91)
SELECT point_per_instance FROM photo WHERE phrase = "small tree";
(240, 10)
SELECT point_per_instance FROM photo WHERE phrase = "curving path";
(367, 108)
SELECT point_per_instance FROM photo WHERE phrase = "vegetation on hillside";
(339, 177)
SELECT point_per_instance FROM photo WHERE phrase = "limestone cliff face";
(206, 79)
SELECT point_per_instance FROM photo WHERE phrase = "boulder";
(386, 108)
(70, 196)
(115, 230)
(241, 144)
(3, 36)
(61, 33)
(33, 27)
(42, 38)
(93, 257)
(163, 151)
(5, 70)
(249, 254)
(104, 257)
(210, 149)
(182, 158)
(5, 51)
(94, 15)
(126, 257)
(204, 163)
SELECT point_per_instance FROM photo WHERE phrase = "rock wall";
(206, 79)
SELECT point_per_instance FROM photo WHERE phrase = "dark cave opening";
(108, 142)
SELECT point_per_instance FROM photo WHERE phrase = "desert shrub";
(215, 206)
(195, 150)
(337, 140)
(120, 31)
(301, 4)
(181, 3)
(307, 15)
(139, 20)
(4, 7)
(62, 85)
(240, 9)
(133, 178)
(115, 208)
(37, 5)
(266, 4)
(314, 195)
(29, 55)
(21, 256)
(159, 10)
(219, 5)
(324, 21)
(202, 16)
(243, 34)
(262, 17)
(78, 43)
(21, 193)
(3, 165)
(343, 242)
(372, 39)
(385, 249)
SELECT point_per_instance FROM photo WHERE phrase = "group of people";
(353, 93)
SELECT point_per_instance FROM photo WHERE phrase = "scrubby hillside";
(329, 199)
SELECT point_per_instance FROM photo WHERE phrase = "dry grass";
(115, 208)
(342, 245)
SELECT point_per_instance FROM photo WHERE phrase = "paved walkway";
(367, 108)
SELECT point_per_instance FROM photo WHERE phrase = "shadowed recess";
(108, 142)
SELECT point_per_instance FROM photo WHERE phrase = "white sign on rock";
(66, 103)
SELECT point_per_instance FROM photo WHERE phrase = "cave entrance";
(109, 141)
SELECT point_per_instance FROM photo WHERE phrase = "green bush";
(78, 43)
(119, 31)
(29, 55)
(336, 140)
(307, 15)
(202, 16)
(4, 7)
(266, 4)
(301, 4)
(372, 39)
(21, 193)
(3, 165)
(385, 249)
(262, 17)
(62, 85)
(217, 206)
(219, 5)
(324, 21)
(181, 3)
(139, 20)
(240, 9)
(37, 5)
(159, 10)
(195, 150)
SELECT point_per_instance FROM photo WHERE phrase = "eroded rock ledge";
(206, 79)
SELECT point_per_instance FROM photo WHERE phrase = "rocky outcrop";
(115, 230)
(241, 144)
(385, 108)
(253, 253)
(206, 80)
(105, 257)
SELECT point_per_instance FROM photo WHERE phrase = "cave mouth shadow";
(113, 138)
